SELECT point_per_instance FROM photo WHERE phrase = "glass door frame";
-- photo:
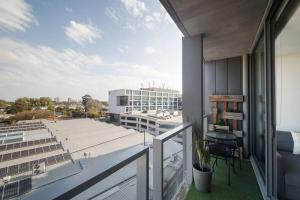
(269, 28)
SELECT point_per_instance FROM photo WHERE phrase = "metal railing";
(75, 185)
(166, 187)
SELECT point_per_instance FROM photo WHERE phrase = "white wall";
(288, 92)
(112, 102)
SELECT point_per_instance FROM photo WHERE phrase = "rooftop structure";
(154, 124)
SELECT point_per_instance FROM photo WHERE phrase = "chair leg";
(233, 166)
(228, 171)
(240, 156)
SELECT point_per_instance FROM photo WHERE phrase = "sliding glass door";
(259, 105)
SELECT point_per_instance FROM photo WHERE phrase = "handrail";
(173, 132)
(74, 185)
(158, 149)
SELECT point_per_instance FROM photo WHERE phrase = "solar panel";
(9, 146)
(10, 190)
(31, 152)
(16, 155)
(46, 148)
(67, 156)
(39, 150)
(59, 158)
(17, 145)
(6, 157)
(30, 143)
(13, 170)
(24, 144)
(36, 142)
(58, 146)
(51, 160)
(3, 172)
(42, 160)
(53, 147)
(24, 153)
(2, 147)
(24, 167)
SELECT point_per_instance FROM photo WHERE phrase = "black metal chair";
(224, 152)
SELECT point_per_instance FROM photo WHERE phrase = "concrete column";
(188, 155)
(245, 66)
(192, 79)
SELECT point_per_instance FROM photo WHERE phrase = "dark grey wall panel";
(221, 76)
(210, 83)
(235, 84)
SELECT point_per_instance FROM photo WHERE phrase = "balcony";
(159, 171)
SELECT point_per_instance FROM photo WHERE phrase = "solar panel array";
(27, 144)
(15, 189)
(22, 127)
(29, 152)
(28, 166)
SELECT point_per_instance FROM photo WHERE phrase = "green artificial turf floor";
(243, 184)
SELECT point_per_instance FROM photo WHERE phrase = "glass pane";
(259, 105)
(172, 166)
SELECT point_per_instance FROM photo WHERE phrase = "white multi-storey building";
(145, 100)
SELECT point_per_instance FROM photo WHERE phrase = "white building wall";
(288, 92)
(112, 99)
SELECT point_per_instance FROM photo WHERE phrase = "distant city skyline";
(86, 48)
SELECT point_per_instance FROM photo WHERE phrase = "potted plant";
(202, 171)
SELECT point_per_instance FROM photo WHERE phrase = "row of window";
(149, 93)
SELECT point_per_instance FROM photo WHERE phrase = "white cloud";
(31, 70)
(130, 27)
(150, 50)
(82, 33)
(135, 7)
(112, 13)
(16, 15)
(123, 48)
(152, 20)
(69, 9)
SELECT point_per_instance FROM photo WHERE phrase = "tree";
(4, 103)
(85, 99)
(22, 104)
(45, 101)
(33, 114)
(93, 108)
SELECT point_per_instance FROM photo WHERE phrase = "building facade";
(145, 100)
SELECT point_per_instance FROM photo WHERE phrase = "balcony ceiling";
(229, 26)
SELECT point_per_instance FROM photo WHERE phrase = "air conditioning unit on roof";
(39, 168)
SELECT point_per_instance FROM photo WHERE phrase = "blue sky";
(64, 49)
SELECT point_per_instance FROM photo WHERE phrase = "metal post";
(157, 169)
(142, 166)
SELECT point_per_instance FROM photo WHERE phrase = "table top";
(220, 135)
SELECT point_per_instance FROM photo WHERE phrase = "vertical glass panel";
(172, 166)
(260, 106)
